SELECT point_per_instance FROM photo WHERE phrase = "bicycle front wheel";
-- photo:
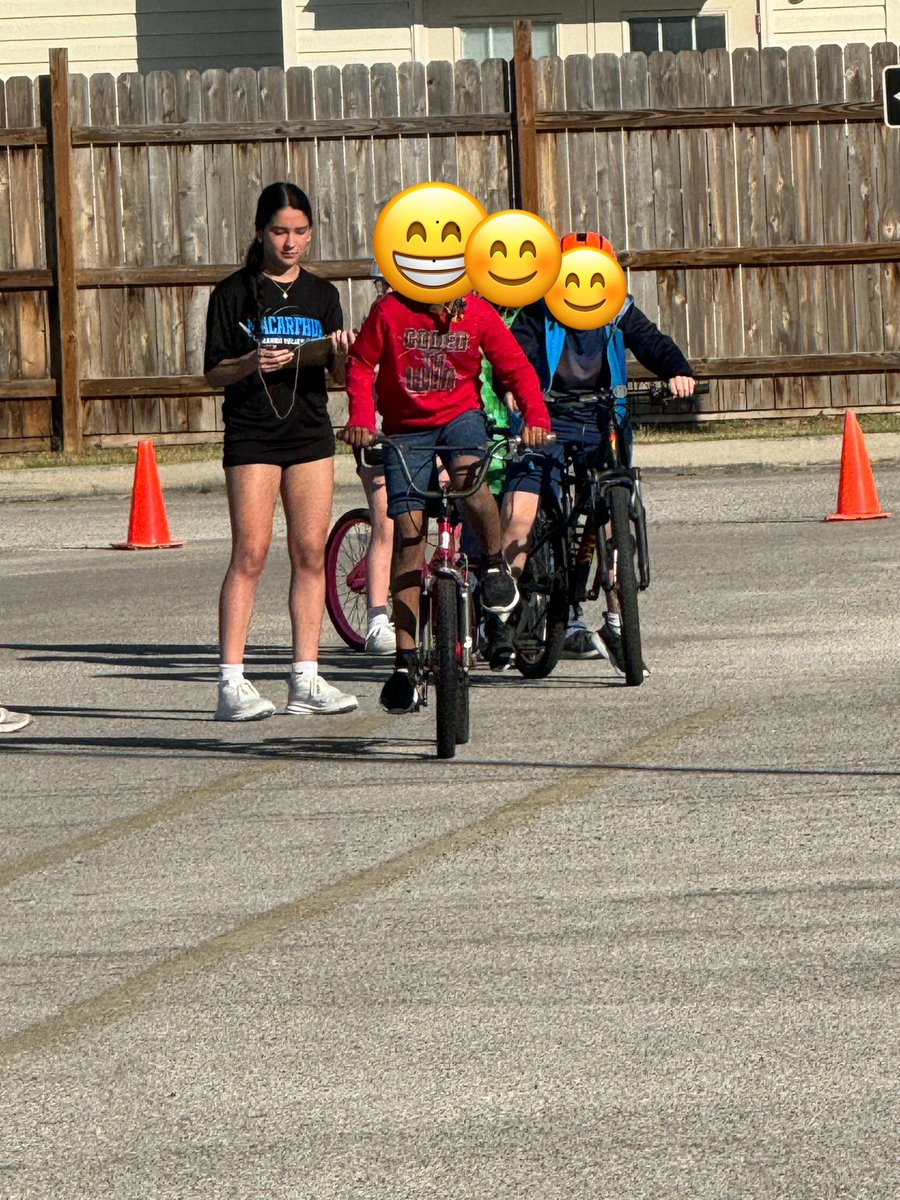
(446, 665)
(540, 622)
(624, 548)
(346, 576)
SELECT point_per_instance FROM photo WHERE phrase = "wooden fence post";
(524, 134)
(68, 417)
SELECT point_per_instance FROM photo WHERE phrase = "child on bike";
(428, 360)
(570, 362)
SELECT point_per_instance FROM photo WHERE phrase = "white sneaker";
(12, 722)
(381, 638)
(311, 694)
(240, 701)
(582, 642)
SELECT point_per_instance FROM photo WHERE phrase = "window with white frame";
(496, 41)
(677, 33)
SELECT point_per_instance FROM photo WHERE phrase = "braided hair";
(272, 199)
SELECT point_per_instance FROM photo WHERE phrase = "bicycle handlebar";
(608, 397)
(487, 454)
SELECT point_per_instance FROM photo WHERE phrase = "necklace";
(284, 290)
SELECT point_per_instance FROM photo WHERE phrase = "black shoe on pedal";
(399, 694)
(499, 593)
(612, 640)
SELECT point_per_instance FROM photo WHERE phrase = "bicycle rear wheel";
(446, 665)
(346, 576)
(623, 545)
(540, 623)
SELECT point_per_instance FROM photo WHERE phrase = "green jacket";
(499, 418)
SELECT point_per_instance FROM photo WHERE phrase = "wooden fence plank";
(301, 155)
(9, 326)
(165, 229)
(782, 286)
(699, 288)
(551, 150)
(331, 201)
(387, 179)
(108, 416)
(467, 99)
(836, 220)
(413, 102)
(441, 150)
(811, 323)
(28, 236)
(198, 413)
(721, 297)
(668, 213)
(140, 309)
(360, 170)
(752, 221)
(526, 183)
(887, 149)
(609, 153)
(864, 216)
(584, 212)
(67, 318)
(272, 109)
(638, 158)
(139, 303)
(496, 148)
(225, 246)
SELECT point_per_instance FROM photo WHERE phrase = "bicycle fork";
(448, 563)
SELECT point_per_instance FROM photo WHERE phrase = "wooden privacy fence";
(754, 199)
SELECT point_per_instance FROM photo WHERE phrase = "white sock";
(299, 669)
(614, 621)
(230, 672)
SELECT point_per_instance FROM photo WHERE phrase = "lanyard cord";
(283, 416)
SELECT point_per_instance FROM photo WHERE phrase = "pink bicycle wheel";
(345, 576)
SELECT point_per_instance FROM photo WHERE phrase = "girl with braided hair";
(272, 329)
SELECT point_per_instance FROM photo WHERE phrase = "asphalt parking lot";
(631, 943)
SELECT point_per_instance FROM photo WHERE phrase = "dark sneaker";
(501, 653)
(399, 694)
(499, 593)
(612, 640)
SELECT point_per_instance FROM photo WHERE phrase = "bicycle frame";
(445, 634)
(589, 474)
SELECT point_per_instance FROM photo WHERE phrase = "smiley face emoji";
(420, 240)
(512, 258)
(590, 289)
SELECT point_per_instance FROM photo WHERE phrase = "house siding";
(144, 35)
(818, 22)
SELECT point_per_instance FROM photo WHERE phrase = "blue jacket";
(543, 339)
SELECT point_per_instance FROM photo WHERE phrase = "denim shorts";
(464, 435)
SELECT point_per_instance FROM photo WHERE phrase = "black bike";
(589, 538)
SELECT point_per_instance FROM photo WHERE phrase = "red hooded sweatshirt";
(429, 365)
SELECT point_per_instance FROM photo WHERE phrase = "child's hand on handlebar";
(536, 435)
(356, 435)
(682, 385)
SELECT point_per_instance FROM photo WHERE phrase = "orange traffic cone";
(857, 497)
(148, 526)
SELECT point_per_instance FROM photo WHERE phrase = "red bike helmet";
(593, 241)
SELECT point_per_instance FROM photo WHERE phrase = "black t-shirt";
(283, 415)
